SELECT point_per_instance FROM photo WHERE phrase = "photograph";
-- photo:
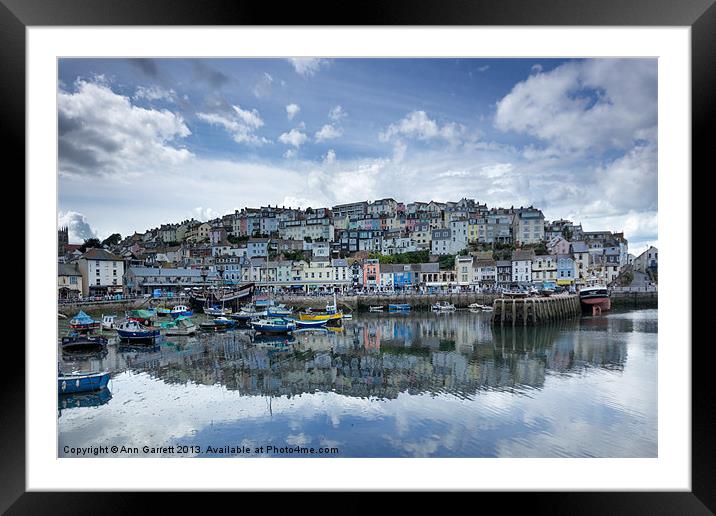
(357, 257)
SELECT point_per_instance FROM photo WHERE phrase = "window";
(73, 280)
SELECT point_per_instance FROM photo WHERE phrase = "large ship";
(595, 299)
(231, 297)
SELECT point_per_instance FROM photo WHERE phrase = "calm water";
(419, 385)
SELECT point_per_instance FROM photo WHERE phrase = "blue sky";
(148, 141)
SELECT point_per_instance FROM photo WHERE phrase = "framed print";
(422, 250)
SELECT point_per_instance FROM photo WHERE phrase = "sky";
(144, 142)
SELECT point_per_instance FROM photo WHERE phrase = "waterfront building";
(371, 273)
(504, 273)
(565, 270)
(145, 280)
(69, 281)
(101, 271)
(648, 260)
(580, 253)
(446, 241)
(464, 272)
(544, 268)
(522, 266)
(486, 272)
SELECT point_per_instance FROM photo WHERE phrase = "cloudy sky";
(149, 141)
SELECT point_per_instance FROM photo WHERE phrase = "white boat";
(478, 306)
(216, 311)
(179, 326)
(108, 322)
(443, 306)
(375, 309)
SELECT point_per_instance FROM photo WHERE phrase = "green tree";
(89, 243)
(447, 262)
(112, 240)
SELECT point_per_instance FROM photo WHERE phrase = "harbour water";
(383, 385)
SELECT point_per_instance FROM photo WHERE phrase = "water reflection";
(380, 356)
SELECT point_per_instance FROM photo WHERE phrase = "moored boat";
(83, 342)
(141, 316)
(180, 326)
(83, 322)
(595, 299)
(181, 310)
(133, 331)
(81, 382)
(278, 311)
(274, 325)
(375, 308)
(443, 306)
(399, 307)
(163, 311)
(217, 311)
(108, 322)
(310, 324)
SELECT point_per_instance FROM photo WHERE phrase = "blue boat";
(311, 324)
(132, 331)
(81, 382)
(80, 341)
(275, 325)
(225, 321)
(278, 311)
(399, 307)
(181, 310)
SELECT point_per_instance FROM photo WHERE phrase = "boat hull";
(591, 303)
(311, 324)
(82, 383)
(131, 336)
(320, 317)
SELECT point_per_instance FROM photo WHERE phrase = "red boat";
(595, 300)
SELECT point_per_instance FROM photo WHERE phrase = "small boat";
(131, 331)
(375, 309)
(515, 293)
(217, 311)
(212, 326)
(225, 321)
(347, 316)
(274, 325)
(83, 341)
(163, 311)
(478, 306)
(318, 316)
(278, 311)
(108, 322)
(141, 316)
(399, 307)
(179, 326)
(82, 382)
(83, 322)
(310, 324)
(181, 310)
(443, 306)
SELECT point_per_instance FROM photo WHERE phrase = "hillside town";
(379, 246)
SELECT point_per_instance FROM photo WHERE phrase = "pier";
(532, 311)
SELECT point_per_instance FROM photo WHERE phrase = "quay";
(531, 311)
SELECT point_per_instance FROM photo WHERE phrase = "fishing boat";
(76, 341)
(133, 331)
(310, 324)
(180, 326)
(318, 316)
(108, 322)
(181, 310)
(399, 307)
(375, 309)
(443, 306)
(163, 311)
(217, 311)
(278, 311)
(594, 299)
(274, 325)
(81, 382)
(220, 295)
(141, 316)
(83, 322)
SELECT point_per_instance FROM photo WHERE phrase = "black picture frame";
(17, 15)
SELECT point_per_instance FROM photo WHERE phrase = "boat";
(83, 322)
(399, 307)
(478, 306)
(318, 316)
(217, 296)
(515, 293)
(133, 331)
(81, 382)
(180, 326)
(595, 299)
(225, 321)
(244, 316)
(274, 325)
(76, 341)
(217, 311)
(375, 309)
(108, 322)
(181, 310)
(163, 311)
(443, 306)
(141, 316)
(347, 316)
(310, 324)
(278, 311)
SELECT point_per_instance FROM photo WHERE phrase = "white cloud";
(103, 133)
(292, 110)
(596, 104)
(293, 137)
(307, 66)
(262, 88)
(204, 214)
(337, 113)
(290, 153)
(241, 123)
(536, 68)
(419, 126)
(78, 228)
(155, 92)
(328, 132)
(330, 157)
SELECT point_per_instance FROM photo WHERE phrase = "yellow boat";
(320, 317)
